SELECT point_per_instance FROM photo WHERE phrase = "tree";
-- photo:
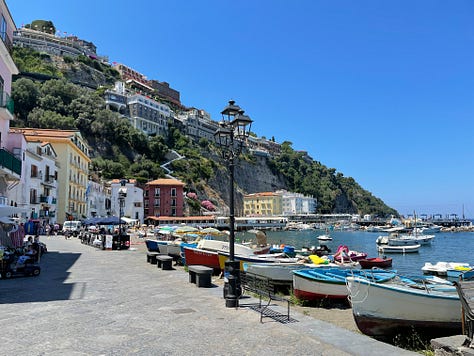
(25, 94)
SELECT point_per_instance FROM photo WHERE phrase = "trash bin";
(120, 242)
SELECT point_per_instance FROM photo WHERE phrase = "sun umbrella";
(185, 230)
(211, 231)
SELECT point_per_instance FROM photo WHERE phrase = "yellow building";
(73, 169)
(263, 204)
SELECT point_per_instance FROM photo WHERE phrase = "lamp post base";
(232, 287)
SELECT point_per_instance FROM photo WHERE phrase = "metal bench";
(164, 262)
(264, 288)
(200, 275)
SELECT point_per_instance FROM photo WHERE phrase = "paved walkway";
(92, 302)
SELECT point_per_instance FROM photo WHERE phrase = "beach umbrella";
(185, 229)
(211, 231)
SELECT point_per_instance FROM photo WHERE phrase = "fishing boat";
(320, 283)
(383, 309)
(379, 262)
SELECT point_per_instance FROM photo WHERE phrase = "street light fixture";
(231, 135)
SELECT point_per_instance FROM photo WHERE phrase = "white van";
(72, 227)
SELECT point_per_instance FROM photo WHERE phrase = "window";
(3, 29)
(33, 196)
(173, 192)
(157, 202)
(173, 202)
(157, 192)
(34, 171)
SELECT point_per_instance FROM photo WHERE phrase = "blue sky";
(382, 91)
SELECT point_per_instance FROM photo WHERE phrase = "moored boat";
(320, 283)
(398, 249)
(383, 309)
(379, 262)
(446, 269)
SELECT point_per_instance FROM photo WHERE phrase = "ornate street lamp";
(231, 135)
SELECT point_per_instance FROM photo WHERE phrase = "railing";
(9, 161)
(6, 102)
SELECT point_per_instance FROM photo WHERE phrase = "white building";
(148, 115)
(36, 191)
(98, 199)
(198, 124)
(297, 204)
(133, 207)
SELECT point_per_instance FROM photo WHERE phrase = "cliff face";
(249, 177)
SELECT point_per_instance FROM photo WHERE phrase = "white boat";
(324, 237)
(448, 269)
(382, 309)
(398, 249)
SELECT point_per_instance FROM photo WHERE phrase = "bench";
(164, 261)
(151, 257)
(200, 275)
(264, 288)
(465, 291)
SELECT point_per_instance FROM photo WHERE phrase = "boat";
(324, 237)
(446, 269)
(206, 252)
(398, 249)
(403, 304)
(344, 255)
(330, 283)
(379, 262)
(198, 256)
(277, 258)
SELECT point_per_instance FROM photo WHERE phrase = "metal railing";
(6, 102)
(9, 161)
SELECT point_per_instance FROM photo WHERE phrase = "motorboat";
(383, 309)
(398, 249)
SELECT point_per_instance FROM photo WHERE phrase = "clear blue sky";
(382, 91)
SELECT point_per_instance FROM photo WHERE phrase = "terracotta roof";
(34, 133)
(165, 181)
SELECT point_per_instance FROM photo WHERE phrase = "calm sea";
(447, 247)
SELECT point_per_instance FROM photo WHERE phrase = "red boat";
(197, 256)
(375, 262)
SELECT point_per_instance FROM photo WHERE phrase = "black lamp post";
(122, 194)
(233, 131)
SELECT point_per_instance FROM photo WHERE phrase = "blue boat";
(320, 283)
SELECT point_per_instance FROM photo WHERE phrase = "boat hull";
(385, 309)
(398, 249)
(310, 289)
(196, 256)
(375, 262)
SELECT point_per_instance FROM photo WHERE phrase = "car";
(28, 268)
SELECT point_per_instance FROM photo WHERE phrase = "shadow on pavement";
(49, 285)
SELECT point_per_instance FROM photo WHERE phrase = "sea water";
(446, 246)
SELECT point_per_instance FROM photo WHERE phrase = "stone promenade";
(92, 302)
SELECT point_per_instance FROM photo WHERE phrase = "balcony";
(6, 102)
(47, 199)
(9, 161)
